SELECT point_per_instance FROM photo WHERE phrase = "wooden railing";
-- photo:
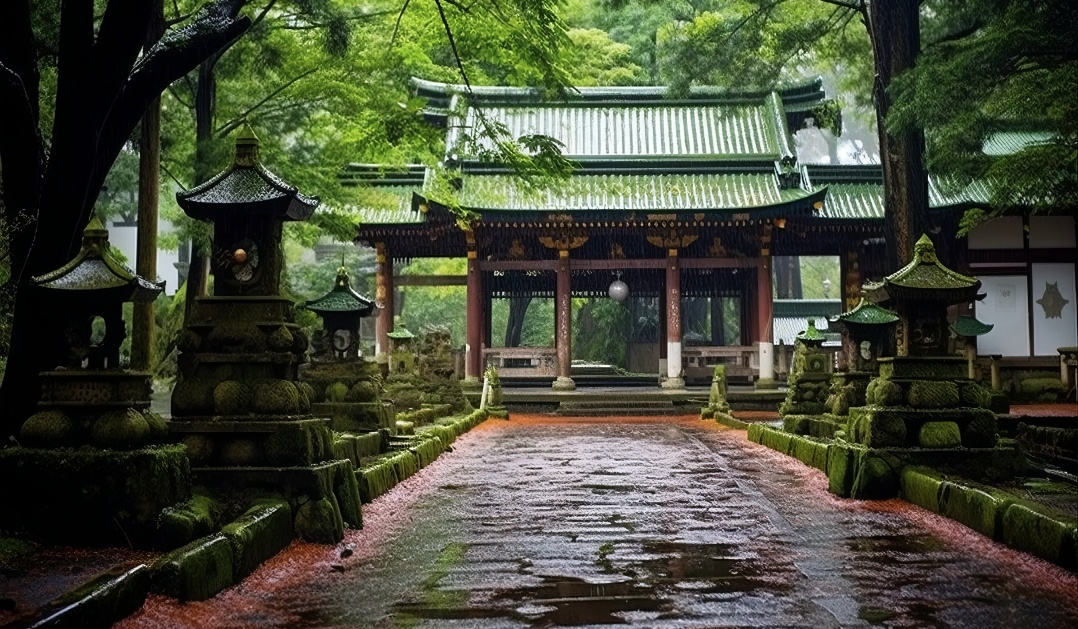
(742, 361)
(522, 361)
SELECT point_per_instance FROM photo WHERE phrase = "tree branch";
(397, 26)
(236, 121)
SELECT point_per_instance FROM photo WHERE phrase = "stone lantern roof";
(246, 186)
(968, 326)
(867, 313)
(94, 268)
(811, 336)
(342, 299)
(925, 279)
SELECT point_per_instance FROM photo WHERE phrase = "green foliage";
(601, 332)
(992, 71)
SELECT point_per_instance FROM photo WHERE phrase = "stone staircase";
(624, 406)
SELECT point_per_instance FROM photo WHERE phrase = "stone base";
(91, 496)
(822, 426)
(766, 384)
(880, 426)
(225, 441)
(673, 383)
(562, 383)
(356, 417)
(324, 497)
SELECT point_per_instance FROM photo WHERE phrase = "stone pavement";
(670, 522)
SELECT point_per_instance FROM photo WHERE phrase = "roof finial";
(246, 146)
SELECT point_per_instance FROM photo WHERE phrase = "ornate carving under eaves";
(563, 238)
(672, 237)
(516, 251)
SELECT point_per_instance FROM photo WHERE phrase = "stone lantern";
(84, 455)
(103, 402)
(341, 310)
(808, 382)
(867, 334)
(238, 404)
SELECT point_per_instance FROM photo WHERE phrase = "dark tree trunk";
(896, 40)
(101, 95)
(514, 327)
(149, 177)
(788, 277)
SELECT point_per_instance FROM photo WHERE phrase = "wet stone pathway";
(649, 522)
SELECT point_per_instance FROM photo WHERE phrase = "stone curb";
(1019, 524)
(429, 442)
(103, 600)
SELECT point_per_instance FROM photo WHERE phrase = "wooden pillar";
(564, 324)
(763, 318)
(673, 380)
(473, 320)
(383, 295)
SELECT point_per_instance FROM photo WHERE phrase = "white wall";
(1006, 307)
(125, 238)
(1051, 232)
(1004, 232)
(1050, 333)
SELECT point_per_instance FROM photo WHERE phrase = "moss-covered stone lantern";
(867, 334)
(91, 454)
(238, 404)
(344, 386)
(341, 310)
(809, 380)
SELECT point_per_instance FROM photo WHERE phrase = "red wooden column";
(383, 295)
(473, 341)
(563, 321)
(673, 379)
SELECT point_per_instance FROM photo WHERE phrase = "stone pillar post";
(764, 324)
(473, 320)
(383, 296)
(673, 322)
(564, 322)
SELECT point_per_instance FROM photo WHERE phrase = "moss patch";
(49, 429)
(939, 435)
(196, 571)
(1046, 534)
(260, 533)
(922, 486)
(320, 521)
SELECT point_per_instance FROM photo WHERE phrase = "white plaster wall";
(1055, 332)
(1004, 232)
(1051, 232)
(125, 238)
(1006, 307)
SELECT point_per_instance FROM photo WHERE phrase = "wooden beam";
(518, 265)
(430, 280)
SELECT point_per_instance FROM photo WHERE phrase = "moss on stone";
(183, 523)
(336, 392)
(980, 509)
(307, 390)
(876, 428)
(922, 486)
(976, 396)
(841, 465)
(192, 396)
(933, 394)
(231, 398)
(121, 430)
(49, 429)
(1041, 390)
(886, 393)
(876, 476)
(260, 533)
(199, 448)
(280, 339)
(939, 435)
(240, 452)
(195, 572)
(1034, 529)
(319, 521)
(276, 397)
(363, 391)
(980, 431)
(158, 426)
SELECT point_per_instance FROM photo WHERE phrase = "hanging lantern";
(618, 290)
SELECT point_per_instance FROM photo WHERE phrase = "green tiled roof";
(636, 192)
(868, 313)
(857, 193)
(646, 131)
(811, 336)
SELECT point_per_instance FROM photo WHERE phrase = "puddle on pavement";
(709, 568)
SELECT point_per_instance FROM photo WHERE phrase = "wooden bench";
(740, 360)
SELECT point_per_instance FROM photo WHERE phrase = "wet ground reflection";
(651, 523)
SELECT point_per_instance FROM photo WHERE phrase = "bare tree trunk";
(896, 40)
(149, 179)
(514, 327)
